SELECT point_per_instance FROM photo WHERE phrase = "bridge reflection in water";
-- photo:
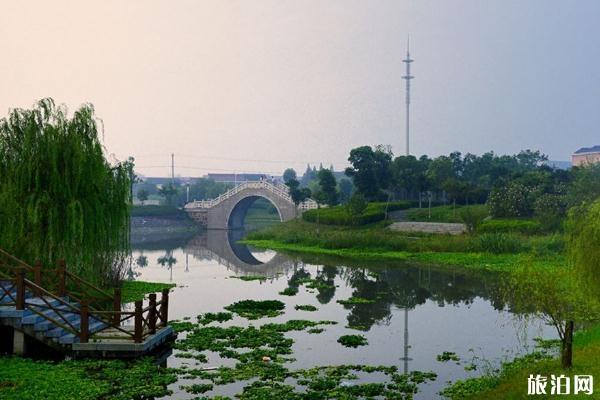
(222, 246)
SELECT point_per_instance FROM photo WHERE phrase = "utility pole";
(408, 78)
(173, 168)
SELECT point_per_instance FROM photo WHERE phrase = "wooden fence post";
(117, 307)
(85, 322)
(20, 289)
(62, 276)
(152, 313)
(37, 276)
(138, 322)
(164, 308)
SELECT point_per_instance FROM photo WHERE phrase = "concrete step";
(45, 325)
(10, 312)
(30, 318)
(94, 326)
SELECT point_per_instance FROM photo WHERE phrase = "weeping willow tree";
(59, 196)
(583, 240)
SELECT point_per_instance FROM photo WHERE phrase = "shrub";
(548, 245)
(356, 207)
(511, 200)
(510, 226)
(550, 211)
(445, 213)
(497, 243)
(472, 217)
(339, 215)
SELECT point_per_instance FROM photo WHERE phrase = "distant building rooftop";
(586, 156)
(584, 150)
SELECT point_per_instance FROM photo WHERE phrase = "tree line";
(519, 185)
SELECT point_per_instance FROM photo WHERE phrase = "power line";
(201, 156)
(209, 169)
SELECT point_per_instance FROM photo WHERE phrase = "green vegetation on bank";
(136, 290)
(510, 381)
(443, 213)
(341, 215)
(474, 261)
(378, 242)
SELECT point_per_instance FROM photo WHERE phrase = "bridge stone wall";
(230, 213)
(229, 209)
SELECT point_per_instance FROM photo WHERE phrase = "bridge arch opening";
(260, 207)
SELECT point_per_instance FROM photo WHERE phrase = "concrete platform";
(429, 227)
(123, 348)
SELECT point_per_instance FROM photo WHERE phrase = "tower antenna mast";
(408, 78)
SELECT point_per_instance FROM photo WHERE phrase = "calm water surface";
(418, 313)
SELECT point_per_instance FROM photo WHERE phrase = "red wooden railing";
(75, 295)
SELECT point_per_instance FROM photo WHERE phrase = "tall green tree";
(289, 174)
(585, 186)
(59, 196)
(297, 193)
(328, 187)
(583, 240)
(370, 170)
(345, 189)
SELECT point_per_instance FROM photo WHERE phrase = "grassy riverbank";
(489, 251)
(510, 382)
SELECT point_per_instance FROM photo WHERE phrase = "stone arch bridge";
(228, 211)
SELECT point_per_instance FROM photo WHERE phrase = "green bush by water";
(497, 243)
(339, 215)
(445, 213)
(525, 226)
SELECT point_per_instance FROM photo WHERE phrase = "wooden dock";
(69, 315)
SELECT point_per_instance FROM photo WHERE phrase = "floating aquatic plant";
(353, 340)
(255, 309)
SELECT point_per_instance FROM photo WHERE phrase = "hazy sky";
(222, 82)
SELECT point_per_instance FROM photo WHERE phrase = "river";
(413, 314)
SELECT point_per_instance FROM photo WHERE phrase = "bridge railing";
(277, 189)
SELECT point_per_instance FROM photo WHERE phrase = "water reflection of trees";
(406, 288)
(167, 260)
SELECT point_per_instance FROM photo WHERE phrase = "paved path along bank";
(429, 227)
